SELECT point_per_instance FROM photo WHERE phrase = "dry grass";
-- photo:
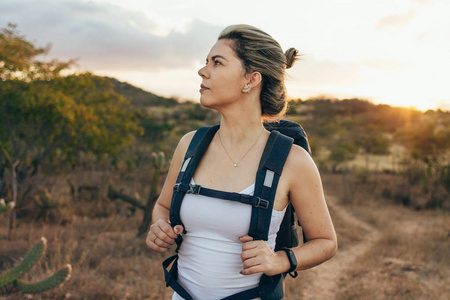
(410, 260)
(108, 261)
(349, 232)
(386, 251)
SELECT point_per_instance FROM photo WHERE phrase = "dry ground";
(386, 252)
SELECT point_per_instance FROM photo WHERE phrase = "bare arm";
(161, 235)
(306, 195)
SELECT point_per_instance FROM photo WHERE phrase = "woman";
(243, 80)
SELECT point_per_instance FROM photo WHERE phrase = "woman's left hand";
(257, 257)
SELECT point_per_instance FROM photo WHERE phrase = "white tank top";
(210, 256)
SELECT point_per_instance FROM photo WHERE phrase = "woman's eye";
(215, 62)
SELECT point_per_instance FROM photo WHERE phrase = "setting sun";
(387, 52)
(155, 174)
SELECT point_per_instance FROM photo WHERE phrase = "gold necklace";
(235, 164)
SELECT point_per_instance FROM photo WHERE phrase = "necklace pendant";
(235, 165)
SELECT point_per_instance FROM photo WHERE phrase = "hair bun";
(291, 56)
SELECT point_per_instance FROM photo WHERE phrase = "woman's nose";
(202, 72)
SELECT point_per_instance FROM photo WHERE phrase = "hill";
(138, 97)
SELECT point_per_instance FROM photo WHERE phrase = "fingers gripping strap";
(267, 180)
(269, 288)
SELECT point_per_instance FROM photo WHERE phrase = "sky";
(395, 52)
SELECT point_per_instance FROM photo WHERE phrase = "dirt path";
(325, 277)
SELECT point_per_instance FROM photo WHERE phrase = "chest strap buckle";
(194, 189)
(187, 188)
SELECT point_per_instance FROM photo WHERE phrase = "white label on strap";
(185, 164)
(269, 178)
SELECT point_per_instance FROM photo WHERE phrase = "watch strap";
(292, 260)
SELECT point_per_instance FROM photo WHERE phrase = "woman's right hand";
(161, 236)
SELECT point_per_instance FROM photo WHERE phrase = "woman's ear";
(255, 79)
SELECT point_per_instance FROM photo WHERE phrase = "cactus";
(30, 259)
(46, 284)
(161, 167)
(43, 201)
(5, 207)
(159, 162)
(27, 263)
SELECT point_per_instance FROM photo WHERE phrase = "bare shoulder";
(165, 196)
(299, 164)
(186, 139)
(183, 144)
(298, 157)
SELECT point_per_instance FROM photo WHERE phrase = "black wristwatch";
(292, 260)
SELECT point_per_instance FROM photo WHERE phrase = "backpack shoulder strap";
(270, 168)
(287, 235)
(293, 130)
(197, 148)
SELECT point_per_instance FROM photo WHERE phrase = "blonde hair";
(259, 52)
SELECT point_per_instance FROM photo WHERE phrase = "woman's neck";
(241, 122)
(239, 129)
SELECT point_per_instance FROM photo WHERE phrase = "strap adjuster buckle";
(194, 189)
(191, 189)
(181, 187)
(263, 203)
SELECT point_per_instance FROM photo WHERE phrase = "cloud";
(425, 2)
(312, 72)
(363, 79)
(107, 37)
(379, 64)
(397, 20)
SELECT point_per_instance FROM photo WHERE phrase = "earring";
(247, 89)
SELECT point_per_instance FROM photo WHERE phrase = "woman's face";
(223, 76)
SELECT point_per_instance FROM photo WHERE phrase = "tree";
(160, 169)
(340, 153)
(428, 143)
(47, 119)
(18, 58)
(370, 138)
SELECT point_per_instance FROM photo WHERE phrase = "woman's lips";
(203, 88)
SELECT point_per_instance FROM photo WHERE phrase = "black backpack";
(283, 135)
